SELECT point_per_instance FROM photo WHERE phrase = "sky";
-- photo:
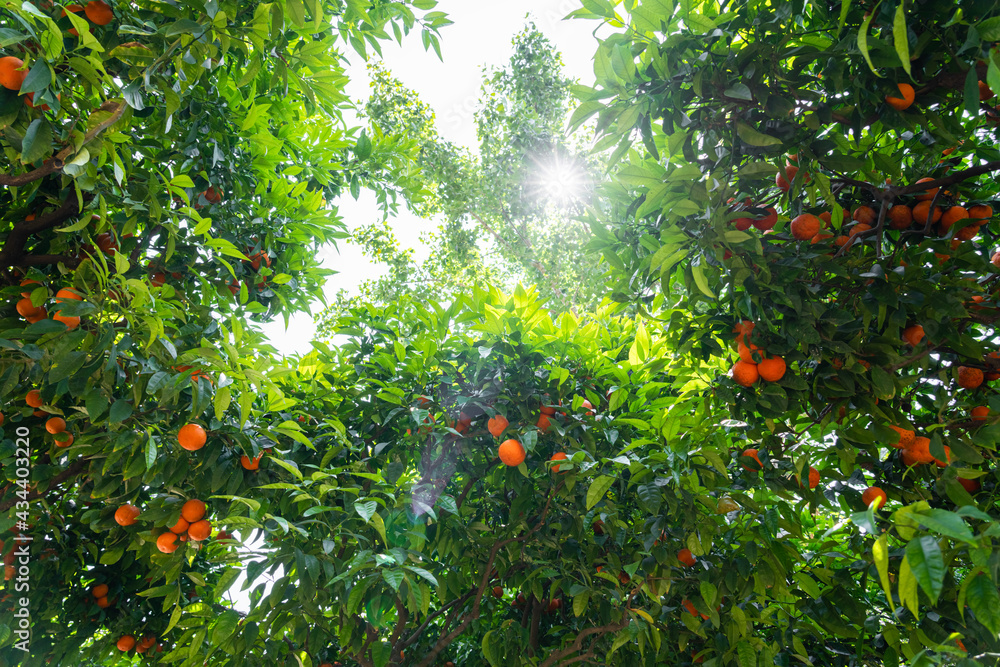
(480, 36)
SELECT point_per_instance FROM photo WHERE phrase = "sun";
(559, 180)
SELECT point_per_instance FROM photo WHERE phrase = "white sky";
(481, 36)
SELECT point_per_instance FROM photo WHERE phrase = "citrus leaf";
(597, 489)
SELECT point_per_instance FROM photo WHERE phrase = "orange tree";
(803, 200)
(166, 179)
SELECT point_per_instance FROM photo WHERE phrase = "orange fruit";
(27, 309)
(966, 233)
(497, 593)
(743, 329)
(98, 12)
(11, 74)
(747, 353)
(970, 485)
(167, 543)
(588, 407)
(64, 295)
(71, 321)
(953, 215)
(55, 425)
(200, 530)
(64, 439)
(192, 437)
(820, 238)
(873, 493)
(497, 425)
(995, 259)
(865, 215)
(558, 456)
(38, 317)
(511, 452)
(250, 463)
(180, 527)
(980, 412)
(102, 602)
(99, 591)
(923, 209)
(805, 226)
(900, 216)
(813, 477)
(126, 643)
(193, 510)
(913, 334)
(904, 102)
(771, 369)
(782, 182)
(980, 212)
(126, 515)
(753, 454)
(25, 283)
(548, 410)
(969, 378)
(947, 458)
(686, 558)
(906, 437)
(858, 228)
(691, 609)
(768, 221)
(919, 451)
(745, 373)
(927, 195)
(543, 423)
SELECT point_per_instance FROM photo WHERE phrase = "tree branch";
(577, 644)
(73, 470)
(13, 248)
(58, 161)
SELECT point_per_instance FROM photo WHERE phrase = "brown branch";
(577, 644)
(430, 617)
(536, 619)
(13, 248)
(42, 260)
(402, 616)
(58, 161)
(73, 470)
(944, 181)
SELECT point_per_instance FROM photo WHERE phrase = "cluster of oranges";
(191, 525)
(753, 365)
(127, 642)
(511, 451)
(54, 425)
(32, 313)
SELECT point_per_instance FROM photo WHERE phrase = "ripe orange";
(919, 451)
(858, 228)
(913, 334)
(768, 221)
(900, 216)
(250, 463)
(686, 558)
(813, 477)
(180, 527)
(782, 182)
(71, 321)
(805, 226)
(904, 102)
(64, 439)
(691, 609)
(167, 543)
(193, 510)
(543, 423)
(102, 602)
(200, 530)
(743, 329)
(980, 412)
(865, 215)
(771, 369)
(547, 410)
(970, 485)
(873, 493)
(747, 353)
(995, 259)
(906, 437)
(511, 452)
(99, 591)
(927, 195)
(980, 212)
(922, 210)
(11, 74)
(820, 238)
(753, 454)
(192, 437)
(969, 378)
(745, 373)
(27, 309)
(38, 317)
(126, 643)
(64, 295)
(497, 425)
(966, 233)
(55, 425)
(558, 456)
(126, 515)
(588, 407)
(953, 215)
(98, 12)
(25, 283)
(947, 458)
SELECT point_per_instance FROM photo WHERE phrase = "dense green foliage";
(362, 489)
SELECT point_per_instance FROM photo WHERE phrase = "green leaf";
(899, 36)
(946, 523)
(580, 603)
(754, 138)
(927, 564)
(120, 411)
(597, 489)
(989, 29)
(908, 588)
(701, 281)
(37, 142)
(150, 452)
(880, 552)
(863, 42)
(984, 601)
(393, 577)
(971, 92)
(225, 626)
(365, 509)
(38, 79)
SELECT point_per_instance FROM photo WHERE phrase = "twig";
(74, 469)
(13, 248)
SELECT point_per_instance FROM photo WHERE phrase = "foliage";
(716, 114)
(506, 217)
